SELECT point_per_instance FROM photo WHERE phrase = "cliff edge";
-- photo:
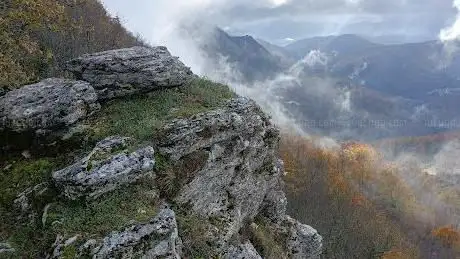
(137, 157)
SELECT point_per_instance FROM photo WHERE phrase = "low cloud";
(278, 19)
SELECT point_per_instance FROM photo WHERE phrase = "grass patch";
(111, 212)
(140, 116)
(172, 177)
(196, 236)
(266, 243)
(23, 174)
(96, 219)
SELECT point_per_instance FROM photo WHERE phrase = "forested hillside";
(367, 206)
(39, 36)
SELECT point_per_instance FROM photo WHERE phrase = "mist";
(185, 26)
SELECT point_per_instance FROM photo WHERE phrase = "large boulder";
(157, 238)
(48, 105)
(109, 166)
(123, 72)
(230, 175)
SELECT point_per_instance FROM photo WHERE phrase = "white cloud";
(452, 32)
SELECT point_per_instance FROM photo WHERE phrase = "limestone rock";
(244, 251)
(304, 241)
(240, 143)
(24, 200)
(47, 105)
(301, 241)
(123, 72)
(156, 239)
(109, 166)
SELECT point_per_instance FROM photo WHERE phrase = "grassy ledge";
(140, 116)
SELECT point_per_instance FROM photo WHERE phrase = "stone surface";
(240, 143)
(6, 248)
(238, 179)
(303, 241)
(300, 240)
(244, 251)
(48, 105)
(123, 72)
(25, 199)
(109, 166)
(156, 239)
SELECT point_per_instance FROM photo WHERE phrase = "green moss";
(24, 174)
(70, 252)
(111, 212)
(96, 219)
(140, 116)
(31, 241)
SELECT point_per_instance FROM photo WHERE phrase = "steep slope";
(250, 58)
(285, 57)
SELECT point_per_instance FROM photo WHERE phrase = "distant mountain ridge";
(347, 43)
(252, 59)
(411, 83)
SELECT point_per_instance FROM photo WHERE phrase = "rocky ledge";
(215, 175)
(118, 73)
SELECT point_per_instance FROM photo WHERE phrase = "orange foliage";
(396, 254)
(349, 174)
(448, 235)
(358, 200)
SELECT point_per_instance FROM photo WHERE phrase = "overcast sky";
(280, 21)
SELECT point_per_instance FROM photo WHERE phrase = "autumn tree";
(21, 56)
(39, 36)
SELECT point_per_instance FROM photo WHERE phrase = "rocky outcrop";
(156, 239)
(109, 166)
(236, 175)
(123, 72)
(238, 179)
(220, 168)
(47, 105)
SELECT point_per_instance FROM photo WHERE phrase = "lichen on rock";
(157, 238)
(123, 72)
(109, 166)
(48, 105)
